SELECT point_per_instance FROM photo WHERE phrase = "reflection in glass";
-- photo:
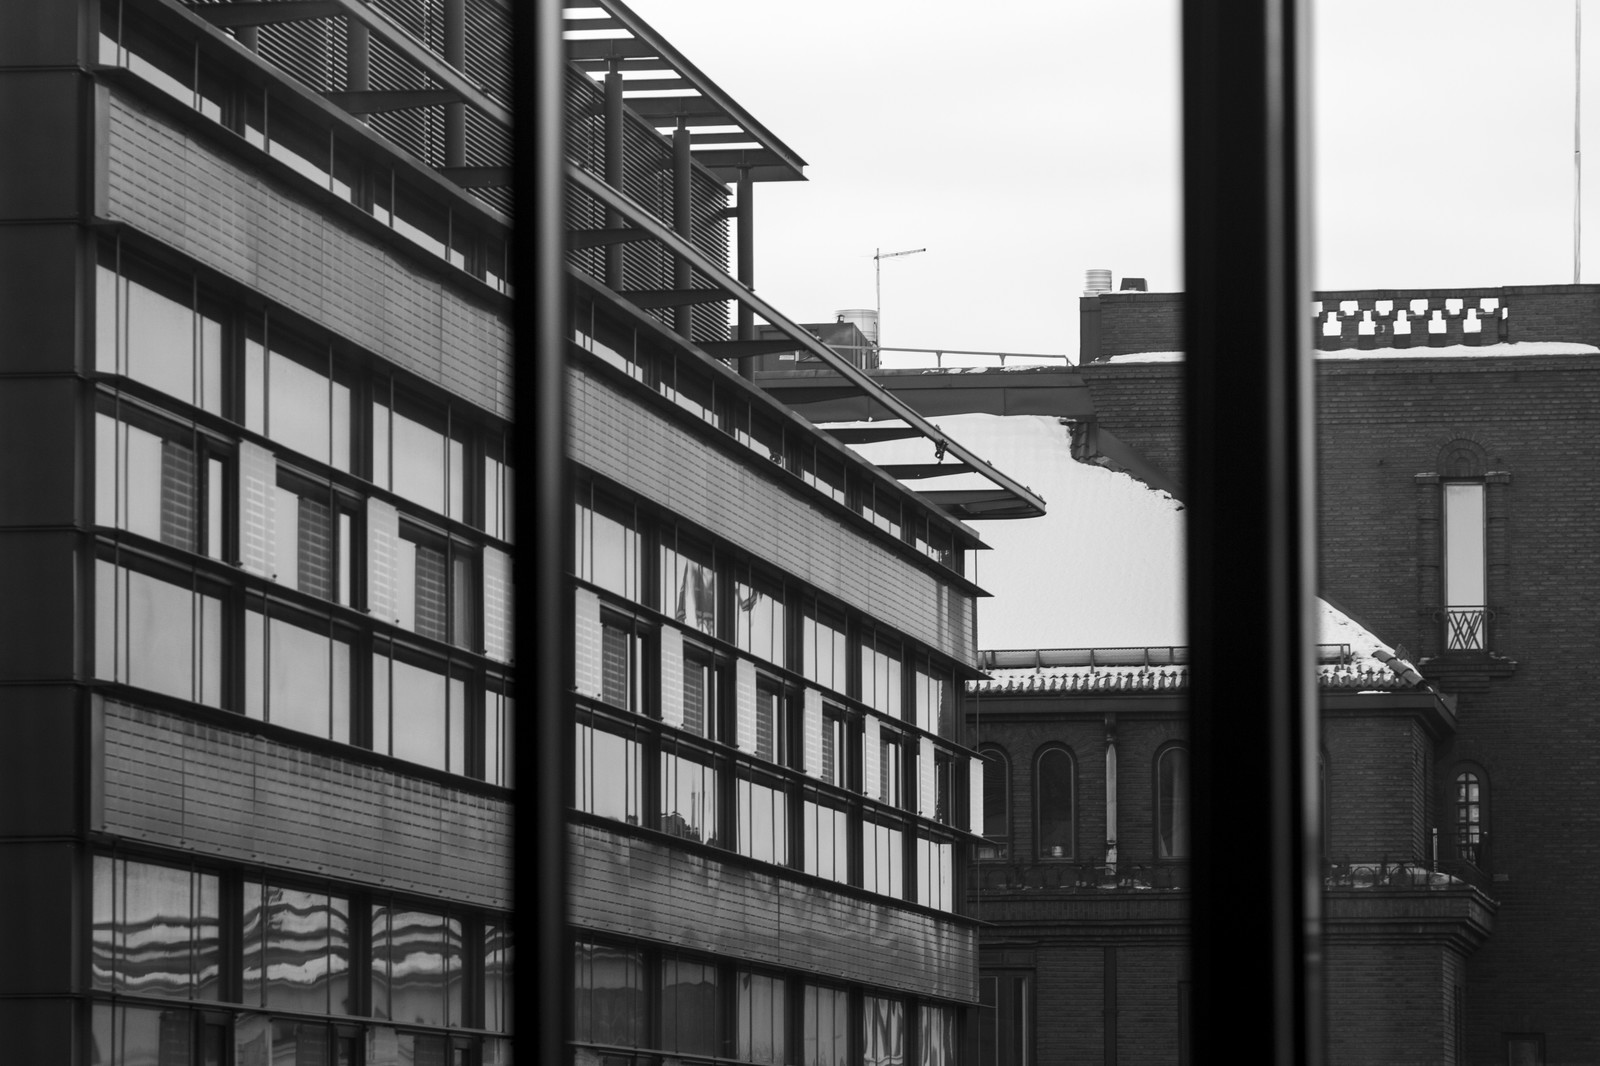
(498, 711)
(609, 1005)
(608, 775)
(158, 339)
(141, 1036)
(881, 859)
(938, 1032)
(296, 949)
(827, 842)
(689, 585)
(826, 1026)
(691, 1007)
(758, 622)
(688, 798)
(416, 966)
(297, 678)
(496, 977)
(762, 1019)
(823, 651)
(156, 930)
(883, 1031)
(935, 878)
(157, 635)
(292, 400)
(763, 822)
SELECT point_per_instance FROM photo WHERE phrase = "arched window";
(1172, 803)
(1055, 814)
(1471, 802)
(996, 803)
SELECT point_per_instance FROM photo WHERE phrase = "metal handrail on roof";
(704, 104)
(1154, 656)
(1011, 499)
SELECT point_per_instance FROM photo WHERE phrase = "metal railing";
(1466, 628)
(1443, 874)
(1068, 875)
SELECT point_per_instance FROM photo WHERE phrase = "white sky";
(1024, 144)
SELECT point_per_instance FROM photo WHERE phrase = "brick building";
(1454, 427)
(257, 682)
(769, 815)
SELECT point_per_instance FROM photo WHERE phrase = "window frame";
(1069, 850)
(1156, 793)
(999, 848)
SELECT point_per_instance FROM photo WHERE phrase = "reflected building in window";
(773, 795)
(258, 641)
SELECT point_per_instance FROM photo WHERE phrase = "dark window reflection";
(691, 1007)
(156, 930)
(609, 1007)
(883, 1032)
(826, 1026)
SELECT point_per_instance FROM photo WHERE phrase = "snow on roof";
(1421, 351)
(1103, 568)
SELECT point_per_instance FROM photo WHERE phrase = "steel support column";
(614, 170)
(1251, 534)
(682, 223)
(746, 262)
(455, 53)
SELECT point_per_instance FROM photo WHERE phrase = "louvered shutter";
(871, 759)
(586, 631)
(258, 476)
(811, 721)
(926, 801)
(975, 795)
(383, 535)
(497, 604)
(671, 676)
(744, 705)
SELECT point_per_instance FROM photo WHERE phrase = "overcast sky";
(1025, 143)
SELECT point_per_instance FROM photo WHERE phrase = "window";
(761, 1019)
(825, 1026)
(881, 678)
(297, 671)
(499, 748)
(417, 453)
(608, 779)
(435, 582)
(312, 533)
(608, 546)
(703, 680)
(156, 930)
(826, 830)
(609, 1005)
(498, 507)
(1055, 795)
(419, 708)
(1524, 1049)
(882, 858)
(154, 331)
(772, 723)
(622, 663)
(763, 818)
(497, 998)
(1464, 571)
(292, 395)
(691, 1007)
(938, 1043)
(159, 635)
(1172, 803)
(835, 752)
(933, 690)
(996, 804)
(935, 873)
(296, 949)
(690, 799)
(1471, 825)
(157, 480)
(758, 617)
(416, 966)
(688, 583)
(883, 1031)
(891, 764)
(823, 648)
(1005, 1024)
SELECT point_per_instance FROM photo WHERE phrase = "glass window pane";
(826, 1026)
(298, 410)
(611, 997)
(691, 1008)
(298, 696)
(297, 964)
(608, 775)
(762, 1015)
(1172, 803)
(419, 463)
(1055, 786)
(689, 798)
(160, 341)
(417, 967)
(883, 1038)
(1464, 544)
(418, 715)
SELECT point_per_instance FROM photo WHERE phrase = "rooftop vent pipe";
(1134, 285)
(1096, 281)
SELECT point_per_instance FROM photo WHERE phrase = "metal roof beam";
(372, 101)
(912, 471)
(1024, 502)
(598, 238)
(262, 13)
(672, 297)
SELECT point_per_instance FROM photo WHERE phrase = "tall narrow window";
(1465, 592)
(1172, 804)
(1469, 817)
(996, 805)
(1055, 791)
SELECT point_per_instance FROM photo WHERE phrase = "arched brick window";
(1172, 802)
(1055, 783)
(1470, 809)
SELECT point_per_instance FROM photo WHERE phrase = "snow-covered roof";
(1418, 351)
